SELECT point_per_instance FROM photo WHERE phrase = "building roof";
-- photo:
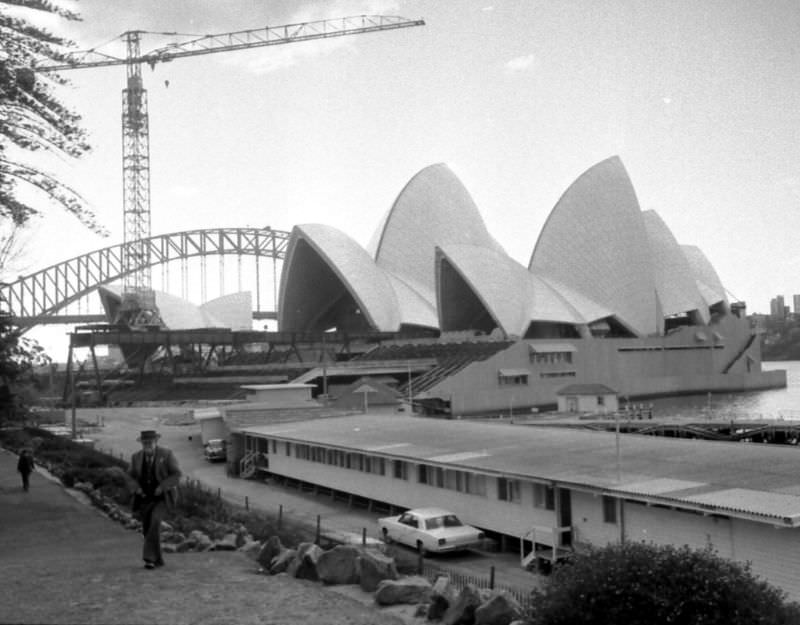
(595, 242)
(432, 264)
(758, 482)
(233, 311)
(675, 282)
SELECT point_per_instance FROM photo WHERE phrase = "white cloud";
(487, 9)
(520, 63)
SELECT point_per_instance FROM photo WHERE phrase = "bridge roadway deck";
(118, 434)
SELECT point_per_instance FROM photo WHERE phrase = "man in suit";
(156, 475)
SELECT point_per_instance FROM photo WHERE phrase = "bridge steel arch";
(41, 294)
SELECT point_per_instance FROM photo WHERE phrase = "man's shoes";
(149, 565)
(159, 563)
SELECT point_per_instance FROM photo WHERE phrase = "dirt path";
(64, 562)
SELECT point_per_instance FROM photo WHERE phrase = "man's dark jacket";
(167, 473)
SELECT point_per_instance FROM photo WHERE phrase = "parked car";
(431, 530)
(216, 449)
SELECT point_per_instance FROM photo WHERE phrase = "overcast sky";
(701, 100)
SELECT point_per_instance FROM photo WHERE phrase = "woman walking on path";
(25, 466)
(156, 473)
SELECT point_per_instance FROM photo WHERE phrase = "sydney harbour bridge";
(46, 296)
(50, 295)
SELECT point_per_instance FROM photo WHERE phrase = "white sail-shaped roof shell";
(433, 209)
(675, 283)
(232, 311)
(320, 262)
(512, 295)
(705, 275)
(235, 310)
(595, 242)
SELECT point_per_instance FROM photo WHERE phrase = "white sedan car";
(431, 530)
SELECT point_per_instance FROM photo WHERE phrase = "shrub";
(110, 481)
(200, 509)
(638, 583)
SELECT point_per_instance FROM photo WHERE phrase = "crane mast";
(138, 306)
(138, 300)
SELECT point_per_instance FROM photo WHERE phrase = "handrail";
(547, 536)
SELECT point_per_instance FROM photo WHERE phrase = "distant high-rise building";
(777, 309)
(796, 304)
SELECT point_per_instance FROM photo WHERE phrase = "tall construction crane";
(138, 300)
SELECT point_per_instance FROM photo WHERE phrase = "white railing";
(247, 465)
(548, 537)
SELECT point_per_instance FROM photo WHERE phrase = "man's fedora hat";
(148, 435)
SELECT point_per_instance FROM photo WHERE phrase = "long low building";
(555, 488)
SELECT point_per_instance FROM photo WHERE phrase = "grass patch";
(197, 507)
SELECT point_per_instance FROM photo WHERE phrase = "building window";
(422, 474)
(609, 510)
(274, 446)
(508, 490)
(400, 469)
(544, 496)
(288, 449)
(549, 358)
(439, 477)
(512, 379)
(475, 484)
(601, 401)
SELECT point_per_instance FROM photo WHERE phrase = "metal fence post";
(280, 515)
(363, 535)
(316, 540)
(491, 578)
(246, 503)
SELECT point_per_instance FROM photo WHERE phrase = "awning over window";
(541, 348)
(513, 373)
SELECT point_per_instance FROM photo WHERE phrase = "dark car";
(215, 450)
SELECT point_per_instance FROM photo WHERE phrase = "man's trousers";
(152, 514)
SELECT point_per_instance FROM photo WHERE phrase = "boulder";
(294, 565)
(196, 541)
(414, 589)
(272, 547)
(308, 559)
(500, 609)
(338, 566)
(226, 543)
(372, 568)
(442, 595)
(462, 610)
(281, 562)
(251, 549)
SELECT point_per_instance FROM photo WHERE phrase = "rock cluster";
(368, 567)
(377, 573)
(235, 537)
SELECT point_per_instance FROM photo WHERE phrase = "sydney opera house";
(609, 297)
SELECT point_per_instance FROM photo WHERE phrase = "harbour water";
(781, 403)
